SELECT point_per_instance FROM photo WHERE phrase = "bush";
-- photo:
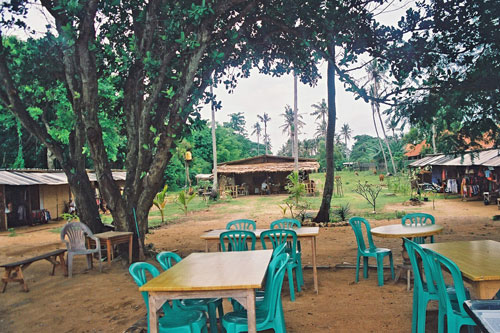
(342, 212)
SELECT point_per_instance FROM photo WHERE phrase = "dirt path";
(109, 301)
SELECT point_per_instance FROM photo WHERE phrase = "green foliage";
(160, 201)
(399, 183)
(342, 212)
(183, 200)
(12, 232)
(69, 217)
(295, 201)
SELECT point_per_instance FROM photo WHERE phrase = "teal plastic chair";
(288, 223)
(269, 315)
(370, 251)
(416, 220)
(285, 223)
(209, 305)
(241, 224)
(456, 316)
(424, 288)
(277, 237)
(175, 320)
(237, 240)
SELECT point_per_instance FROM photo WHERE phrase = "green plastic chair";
(288, 223)
(285, 223)
(424, 288)
(277, 237)
(241, 224)
(209, 305)
(456, 316)
(270, 314)
(416, 220)
(175, 320)
(372, 251)
(237, 240)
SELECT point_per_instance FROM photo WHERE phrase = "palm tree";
(320, 111)
(320, 130)
(257, 130)
(288, 126)
(267, 141)
(265, 119)
(392, 124)
(375, 75)
(346, 132)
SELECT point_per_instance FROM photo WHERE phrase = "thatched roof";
(267, 167)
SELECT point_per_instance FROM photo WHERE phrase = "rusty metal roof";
(24, 177)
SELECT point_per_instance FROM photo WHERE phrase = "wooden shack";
(27, 194)
(249, 174)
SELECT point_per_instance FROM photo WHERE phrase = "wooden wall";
(53, 198)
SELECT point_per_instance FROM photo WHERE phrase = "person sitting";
(264, 188)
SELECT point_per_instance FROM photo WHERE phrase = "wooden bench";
(14, 271)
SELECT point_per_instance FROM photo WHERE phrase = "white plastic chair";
(75, 233)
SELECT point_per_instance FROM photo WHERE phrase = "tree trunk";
(378, 137)
(215, 185)
(324, 210)
(295, 126)
(386, 140)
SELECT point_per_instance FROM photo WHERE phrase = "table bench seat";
(14, 271)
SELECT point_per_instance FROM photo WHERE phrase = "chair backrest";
(274, 282)
(285, 223)
(439, 261)
(279, 250)
(280, 236)
(357, 223)
(237, 240)
(423, 279)
(242, 224)
(75, 232)
(418, 219)
(167, 259)
(138, 271)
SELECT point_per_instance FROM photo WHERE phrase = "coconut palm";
(320, 130)
(265, 119)
(288, 126)
(320, 111)
(346, 132)
(257, 130)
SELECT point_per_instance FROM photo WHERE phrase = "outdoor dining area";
(438, 271)
(196, 285)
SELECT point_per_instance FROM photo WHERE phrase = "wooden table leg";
(63, 264)
(5, 278)
(20, 278)
(206, 245)
(485, 289)
(252, 325)
(153, 315)
(315, 269)
(108, 248)
(130, 243)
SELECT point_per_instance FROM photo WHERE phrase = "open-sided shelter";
(251, 172)
(29, 196)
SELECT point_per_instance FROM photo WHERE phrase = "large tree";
(161, 57)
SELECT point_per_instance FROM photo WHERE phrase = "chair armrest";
(96, 240)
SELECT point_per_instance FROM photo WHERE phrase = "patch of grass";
(12, 232)
(56, 230)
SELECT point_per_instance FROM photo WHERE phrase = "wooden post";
(3, 216)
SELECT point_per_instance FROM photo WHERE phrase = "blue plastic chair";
(370, 251)
(417, 220)
(168, 259)
(241, 224)
(237, 240)
(270, 314)
(287, 236)
(456, 316)
(175, 320)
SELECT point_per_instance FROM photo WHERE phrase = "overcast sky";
(261, 93)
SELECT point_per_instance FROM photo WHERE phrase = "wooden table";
(302, 233)
(479, 262)
(404, 231)
(208, 275)
(111, 238)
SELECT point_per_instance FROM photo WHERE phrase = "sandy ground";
(110, 302)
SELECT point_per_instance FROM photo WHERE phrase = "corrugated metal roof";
(422, 162)
(493, 162)
(18, 178)
(477, 158)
